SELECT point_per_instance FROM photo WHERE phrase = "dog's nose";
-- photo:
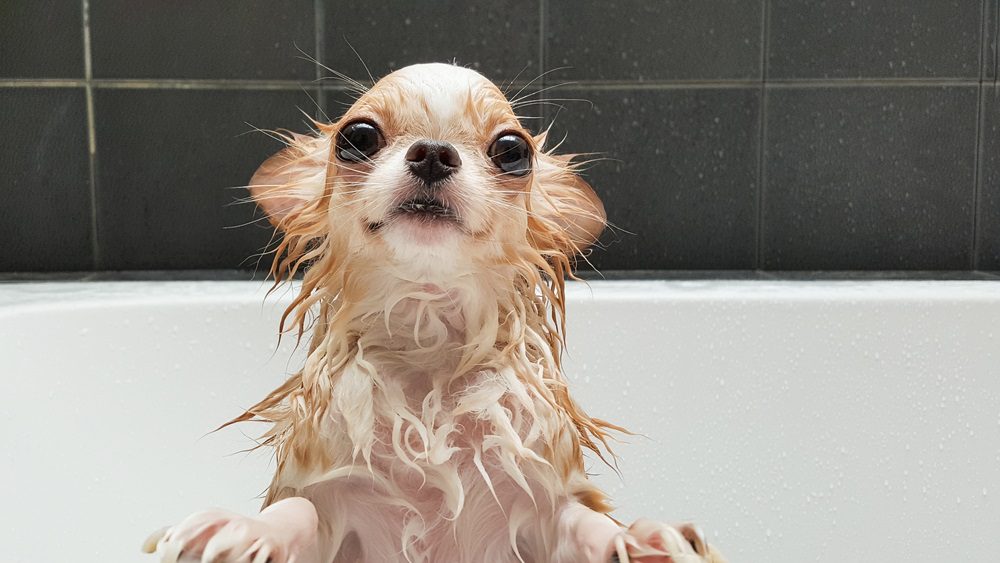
(432, 161)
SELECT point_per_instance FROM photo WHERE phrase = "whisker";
(315, 103)
(539, 91)
(542, 75)
(505, 85)
(358, 55)
(343, 77)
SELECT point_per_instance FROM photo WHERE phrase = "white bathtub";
(796, 421)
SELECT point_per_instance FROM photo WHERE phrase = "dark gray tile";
(878, 275)
(170, 163)
(676, 275)
(667, 40)
(228, 39)
(22, 277)
(869, 178)
(991, 28)
(133, 275)
(989, 196)
(874, 39)
(41, 39)
(45, 217)
(499, 38)
(177, 275)
(676, 171)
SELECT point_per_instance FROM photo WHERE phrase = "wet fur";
(431, 421)
(434, 383)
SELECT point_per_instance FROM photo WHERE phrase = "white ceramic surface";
(796, 421)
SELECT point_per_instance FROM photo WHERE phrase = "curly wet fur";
(443, 378)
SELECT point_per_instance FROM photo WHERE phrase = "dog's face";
(437, 162)
(430, 170)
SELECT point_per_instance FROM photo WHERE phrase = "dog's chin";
(420, 222)
(422, 249)
(421, 236)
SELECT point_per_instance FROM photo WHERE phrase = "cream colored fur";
(431, 421)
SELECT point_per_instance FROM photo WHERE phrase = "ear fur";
(293, 177)
(561, 197)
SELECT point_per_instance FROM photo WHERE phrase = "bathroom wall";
(768, 135)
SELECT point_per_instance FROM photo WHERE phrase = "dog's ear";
(564, 199)
(291, 178)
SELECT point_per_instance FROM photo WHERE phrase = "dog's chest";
(454, 476)
(469, 508)
(431, 466)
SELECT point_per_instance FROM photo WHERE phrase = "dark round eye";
(512, 154)
(359, 141)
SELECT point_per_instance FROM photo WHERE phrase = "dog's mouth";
(427, 209)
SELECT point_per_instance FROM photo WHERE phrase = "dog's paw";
(648, 541)
(217, 536)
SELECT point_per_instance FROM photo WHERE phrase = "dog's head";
(429, 192)
(428, 174)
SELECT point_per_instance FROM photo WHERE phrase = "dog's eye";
(359, 141)
(511, 154)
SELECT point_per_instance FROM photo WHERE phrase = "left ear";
(293, 177)
(560, 196)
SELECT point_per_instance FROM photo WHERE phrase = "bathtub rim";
(21, 297)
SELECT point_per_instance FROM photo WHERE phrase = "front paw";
(647, 541)
(217, 536)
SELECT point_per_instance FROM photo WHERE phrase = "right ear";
(565, 200)
(293, 177)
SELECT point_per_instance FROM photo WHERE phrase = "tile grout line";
(319, 29)
(871, 83)
(166, 84)
(762, 136)
(43, 83)
(88, 74)
(223, 84)
(801, 84)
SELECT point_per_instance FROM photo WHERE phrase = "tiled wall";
(733, 134)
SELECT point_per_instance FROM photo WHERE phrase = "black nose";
(432, 161)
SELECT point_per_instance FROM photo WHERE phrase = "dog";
(431, 421)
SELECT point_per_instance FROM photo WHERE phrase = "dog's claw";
(171, 553)
(621, 551)
(263, 554)
(696, 537)
(654, 542)
(149, 546)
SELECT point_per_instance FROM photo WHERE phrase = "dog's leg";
(284, 532)
(593, 537)
(648, 541)
(585, 536)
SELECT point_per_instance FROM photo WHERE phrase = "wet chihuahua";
(431, 421)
